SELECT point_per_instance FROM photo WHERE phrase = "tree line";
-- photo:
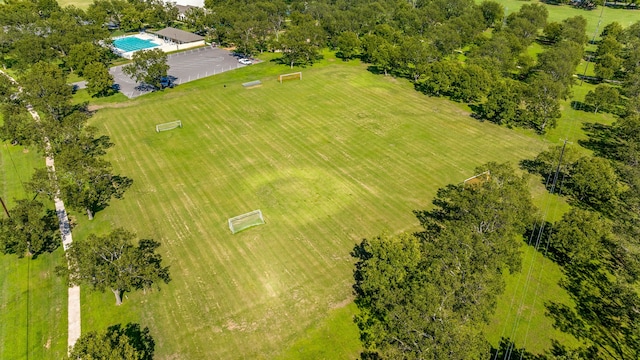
(428, 295)
(83, 179)
(43, 43)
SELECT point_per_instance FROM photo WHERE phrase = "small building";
(183, 10)
(196, 3)
(180, 38)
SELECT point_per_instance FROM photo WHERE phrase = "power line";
(15, 168)
(570, 132)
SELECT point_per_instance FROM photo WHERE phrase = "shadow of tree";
(117, 342)
(601, 139)
(140, 339)
(508, 350)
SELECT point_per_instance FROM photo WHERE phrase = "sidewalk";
(74, 326)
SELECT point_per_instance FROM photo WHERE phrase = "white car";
(245, 61)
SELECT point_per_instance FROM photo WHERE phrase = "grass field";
(82, 4)
(326, 168)
(33, 302)
(559, 12)
(339, 156)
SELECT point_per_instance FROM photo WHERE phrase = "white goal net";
(245, 221)
(292, 76)
(169, 126)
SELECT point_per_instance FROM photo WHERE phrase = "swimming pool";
(132, 43)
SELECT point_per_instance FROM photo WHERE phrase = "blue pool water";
(133, 44)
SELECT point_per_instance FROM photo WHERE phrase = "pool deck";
(164, 45)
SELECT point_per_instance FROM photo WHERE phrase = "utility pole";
(593, 40)
(5, 208)
(557, 172)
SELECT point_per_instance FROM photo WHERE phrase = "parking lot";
(183, 67)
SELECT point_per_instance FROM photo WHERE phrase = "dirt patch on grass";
(341, 304)
(111, 106)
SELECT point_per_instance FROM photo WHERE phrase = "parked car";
(245, 61)
(166, 82)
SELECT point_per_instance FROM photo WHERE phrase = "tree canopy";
(113, 262)
(31, 229)
(425, 295)
(148, 67)
(117, 342)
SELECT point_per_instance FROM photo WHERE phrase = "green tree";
(99, 80)
(426, 296)
(105, 11)
(603, 97)
(148, 67)
(276, 11)
(439, 78)
(525, 23)
(607, 66)
(472, 83)
(601, 278)
(348, 44)
(541, 102)
(503, 103)
(71, 26)
(627, 140)
(613, 29)
(113, 262)
(86, 182)
(546, 162)
(608, 57)
(31, 229)
(42, 184)
(574, 29)
(131, 19)
(83, 54)
(117, 342)
(578, 236)
(446, 39)
(593, 181)
(17, 126)
(553, 32)
(413, 57)
(301, 44)
(536, 14)
(498, 52)
(380, 52)
(492, 12)
(46, 88)
(560, 62)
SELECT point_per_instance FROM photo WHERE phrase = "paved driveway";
(183, 67)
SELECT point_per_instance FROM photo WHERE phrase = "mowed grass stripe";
(339, 156)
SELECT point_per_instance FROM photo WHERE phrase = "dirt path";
(74, 328)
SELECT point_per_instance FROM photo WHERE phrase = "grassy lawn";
(341, 155)
(520, 312)
(334, 338)
(559, 12)
(82, 4)
(33, 301)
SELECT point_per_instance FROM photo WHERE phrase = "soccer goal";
(169, 126)
(292, 76)
(478, 179)
(245, 221)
